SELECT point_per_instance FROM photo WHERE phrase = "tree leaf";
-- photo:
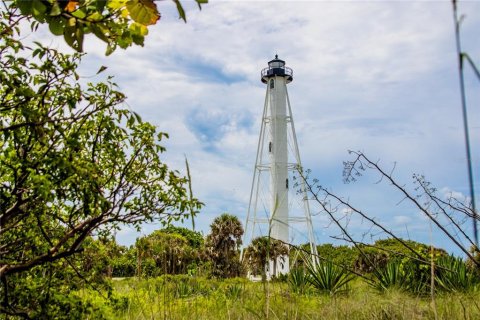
(143, 11)
(180, 10)
(200, 2)
(116, 4)
(96, 29)
(79, 14)
(55, 11)
(100, 4)
(69, 35)
(56, 26)
(79, 37)
(102, 68)
(25, 6)
(110, 49)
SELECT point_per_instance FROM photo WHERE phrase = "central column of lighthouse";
(278, 159)
(276, 76)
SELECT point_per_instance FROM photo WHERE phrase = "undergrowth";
(182, 297)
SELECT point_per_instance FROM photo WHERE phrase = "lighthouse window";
(270, 147)
(286, 183)
(272, 84)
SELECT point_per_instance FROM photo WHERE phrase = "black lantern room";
(276, 67)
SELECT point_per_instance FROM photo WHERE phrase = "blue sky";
(375, 76)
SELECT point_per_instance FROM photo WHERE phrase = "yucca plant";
(298, 280)
(233, 291)
(328, 278)
(454, 275)
(182, 290)
(390, 276)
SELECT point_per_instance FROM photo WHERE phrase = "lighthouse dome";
(276, 67)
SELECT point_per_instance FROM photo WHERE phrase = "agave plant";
(390, 276)
(298, 280)
(329, 278)
(454, 275)
(233, 291)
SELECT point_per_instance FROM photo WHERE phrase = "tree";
(222, 245)
(73, 164)
(261, 251)
(164, 252)
(125, 265)
(341, 255)
(98, 256)
(116, 22)
(195, 239)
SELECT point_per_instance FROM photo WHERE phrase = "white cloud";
(448, 193)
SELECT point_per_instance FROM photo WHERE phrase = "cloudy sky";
(375, 76)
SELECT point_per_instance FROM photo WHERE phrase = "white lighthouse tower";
(277, 197)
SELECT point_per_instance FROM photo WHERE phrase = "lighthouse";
(277, 185)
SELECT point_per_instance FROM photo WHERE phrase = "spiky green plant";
(453, 275)
(328, 278)
(298, 280)
(390, 276)
(233, 291)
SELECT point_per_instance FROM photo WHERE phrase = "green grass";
(200, 298)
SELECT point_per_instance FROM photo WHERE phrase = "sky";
(374, 76)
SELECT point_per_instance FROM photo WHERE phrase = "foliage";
(453, 274)
(341, 255)
(328, 278)
(370, 259)
(390, 276)
(298, 280)
(261, 251)
(158, 298)
(222, 246)
(116, 22)
(98, 257)
(73, 164)
(195, 239)
(410, 254)
(125, 265)
(233, 291)
(164, 253)
(146, 300)
(475, 253)
(188, 287)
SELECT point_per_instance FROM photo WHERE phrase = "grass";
(200, 298)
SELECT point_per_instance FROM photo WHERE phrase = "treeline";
(178, 250)
(172, 250)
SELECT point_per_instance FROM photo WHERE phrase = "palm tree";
(261, 251)
(222, 245)
(169, 253)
